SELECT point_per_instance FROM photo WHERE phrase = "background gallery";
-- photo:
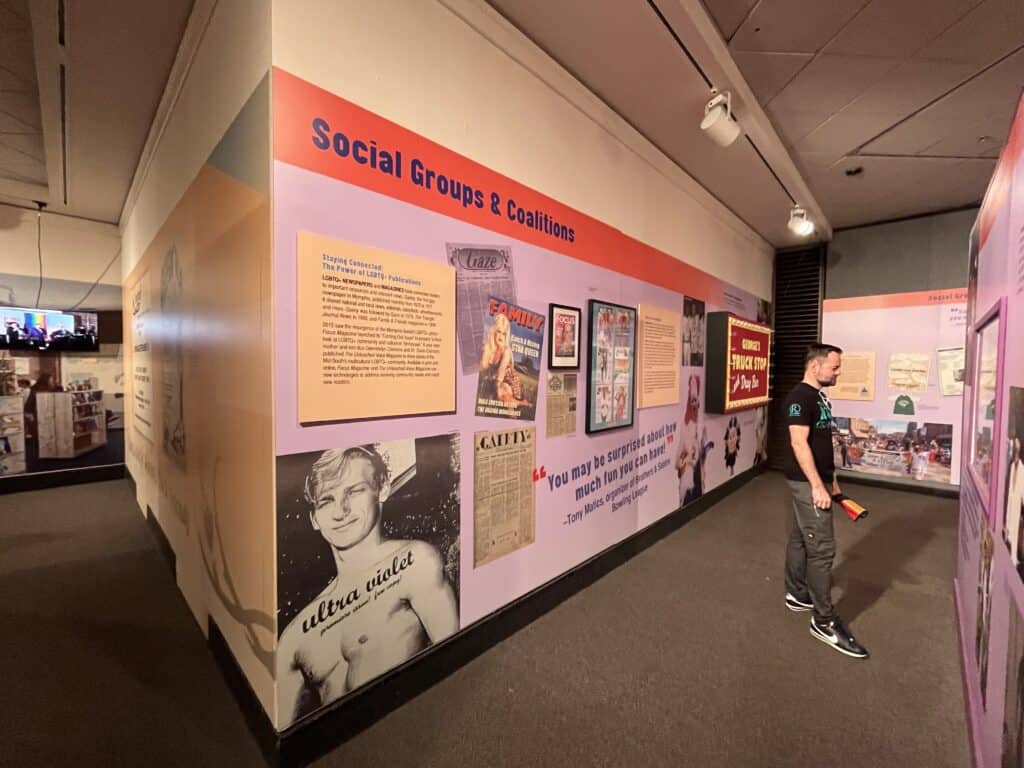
(501, 345)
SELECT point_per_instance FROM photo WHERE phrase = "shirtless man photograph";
(389, 600)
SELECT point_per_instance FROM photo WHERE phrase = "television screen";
(44, 330)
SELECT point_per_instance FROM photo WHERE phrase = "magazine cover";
(510, 361)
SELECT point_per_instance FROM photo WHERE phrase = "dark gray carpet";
(684, 656)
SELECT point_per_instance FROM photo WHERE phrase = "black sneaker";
(838, 637)
(796, 604)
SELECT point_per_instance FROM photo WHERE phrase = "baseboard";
(878, 481)
(255, 716)
(38, 481)
(333, 726)
(965, 666)
(162, 543)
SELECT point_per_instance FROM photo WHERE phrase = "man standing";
(810, 472)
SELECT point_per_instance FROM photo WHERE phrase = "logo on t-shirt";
(795, 410)
(904, 406)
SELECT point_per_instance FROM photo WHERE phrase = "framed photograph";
(563, 337)
(611, 366)
(988, 344)
(693, 331)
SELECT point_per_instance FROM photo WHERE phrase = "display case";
(70, 423)
(12, 420)
(985, 413)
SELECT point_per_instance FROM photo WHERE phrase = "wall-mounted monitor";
(45, 330)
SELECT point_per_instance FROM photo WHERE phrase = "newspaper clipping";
(561, 404)
(908, 371)
(858, 379)
(503, 503)
(951, 371)
(509, 361)
(481, 271)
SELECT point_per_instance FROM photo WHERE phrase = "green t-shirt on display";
(904, 406)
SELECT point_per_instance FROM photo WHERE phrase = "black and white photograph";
(368, 564)
(1014, 497)
(693, 331)
(563, 337)
(984, 609)
(1013, 712)
(173, 359)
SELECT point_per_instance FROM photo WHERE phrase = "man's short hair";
(819, 351)
(331, 464)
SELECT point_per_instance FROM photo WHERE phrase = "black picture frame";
(557, 362)
(607, 378)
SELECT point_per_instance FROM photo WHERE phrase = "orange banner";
(896, 300)
(323, 133)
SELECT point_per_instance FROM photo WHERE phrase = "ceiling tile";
(844, 133)
(30, 144)
(21, 105)
(11, 21)
(897, 28)
(896, 187)
(768, 73)
(11, 81)
(17, 56)
(11, 124)
(829, 83)
(793, 125)
(987, 33)
(729, 14)
(988, 99)
(794, 26)
(20, 163)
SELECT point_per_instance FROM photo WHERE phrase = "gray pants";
(810, 552)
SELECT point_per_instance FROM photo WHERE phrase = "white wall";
(215, 503)
(232, 57)
(456, 72)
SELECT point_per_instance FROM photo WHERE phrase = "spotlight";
(718, 123)
(799, 224)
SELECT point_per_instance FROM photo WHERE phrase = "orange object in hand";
(853, 509)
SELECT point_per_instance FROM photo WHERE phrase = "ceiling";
(623, 52)
(918, 94)
(22, 158)
(80, 83)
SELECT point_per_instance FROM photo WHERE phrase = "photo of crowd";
(894, 448)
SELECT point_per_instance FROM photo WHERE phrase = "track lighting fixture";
(799, 224)
(718, 123)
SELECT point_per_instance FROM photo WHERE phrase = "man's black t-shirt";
(809, 407)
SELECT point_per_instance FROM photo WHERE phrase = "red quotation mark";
(670, 438)
(539, 474)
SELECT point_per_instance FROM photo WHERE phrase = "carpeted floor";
(684, 656)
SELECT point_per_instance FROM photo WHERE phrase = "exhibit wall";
(989, 588)
(197, 332)
(447, 438)
(899, 400)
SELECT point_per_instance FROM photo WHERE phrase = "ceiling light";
(799, 224)
(718, 123)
